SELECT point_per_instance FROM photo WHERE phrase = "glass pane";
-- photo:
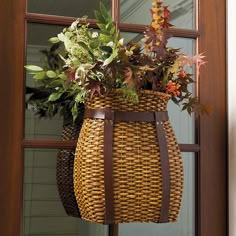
(185, 223)
(137, 12)
(43, 128)
(43, 210)
(75, 8)
(182, 123)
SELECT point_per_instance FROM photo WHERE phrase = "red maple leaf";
(167, 12)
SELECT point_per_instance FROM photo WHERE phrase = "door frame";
(231, 85)
(213, 128)
(212, 159)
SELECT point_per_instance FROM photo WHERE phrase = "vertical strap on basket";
(108, 166)
(164, 167)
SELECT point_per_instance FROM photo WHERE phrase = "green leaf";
(74, 111)
(33, 68)
(104, 11)
(130, 95)
(113, 30)
(94, 44)
(62, 76)
(111, 58)
(106, 49)
(54, 96)
(85, 46)
(51, 74)
(105, 38)
(109, 26)
(56, 83)
(40, 75)
(78, 98)
(54, 40)
(102, 27)
(99, 17)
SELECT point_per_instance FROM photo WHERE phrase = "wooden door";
(210, 146)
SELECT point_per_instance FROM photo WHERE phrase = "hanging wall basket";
(65, 166)
(128, 166)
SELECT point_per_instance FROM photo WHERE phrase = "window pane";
(183, 124)
(185, 223)
(75, 8)
(43, 210)
(44, 128)
(137, 12)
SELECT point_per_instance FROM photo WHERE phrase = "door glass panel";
(185, 222)
(43, 211)
(44, 128)
(137, 12)
(182, 123)
(75, 8)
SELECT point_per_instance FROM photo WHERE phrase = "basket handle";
(161, 137)
(108, 166)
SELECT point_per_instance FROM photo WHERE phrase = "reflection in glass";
(137, 12)
(75, 8)
(43, 128)
(185, 223)
(43, 210)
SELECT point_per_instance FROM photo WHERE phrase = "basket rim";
(140, 92)
(153, 92)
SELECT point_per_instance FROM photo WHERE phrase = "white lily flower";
(61, 37)
(110, 44)
(94, 34)
(80, 73)
(82, 70)
(74, 25)
(121, 42)
(128, 53)
(68, 44)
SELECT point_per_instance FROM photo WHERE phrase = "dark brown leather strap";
(108, 166)
(161, 137)
(126, 115)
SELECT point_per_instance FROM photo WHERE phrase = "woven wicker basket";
(138, 177)
(65, 166)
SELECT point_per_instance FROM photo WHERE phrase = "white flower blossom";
(121, 42)
(95, 35)
(110, 44)
(128, 53)
(82, 70)
(74, 25)
(61, 37)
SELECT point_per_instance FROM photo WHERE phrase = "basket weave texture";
(65, 168)
(136, 164)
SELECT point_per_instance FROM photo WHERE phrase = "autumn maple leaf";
(166, 23)
(198, 60)
(166, 12)
(94, 87)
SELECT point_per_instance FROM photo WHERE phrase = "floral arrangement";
(83, 62)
